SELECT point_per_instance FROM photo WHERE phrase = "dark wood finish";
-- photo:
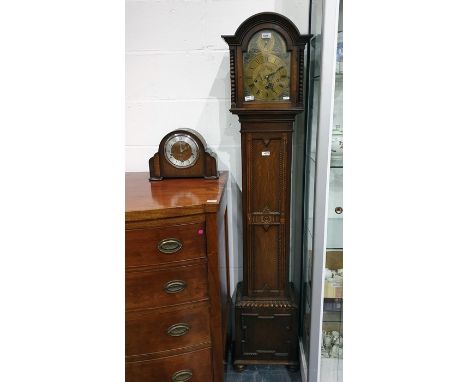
(266, 330)
(173, 198)
(204, 167)
(266, 211)
(266, 311)
(198, 363)
(292, 368)
(148, 331)
(295, 44)
(141, 245)
(184, 293)
(147, 288)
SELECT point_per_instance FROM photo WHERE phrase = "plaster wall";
(177, 76)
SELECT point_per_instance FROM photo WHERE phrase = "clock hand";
(267, 77)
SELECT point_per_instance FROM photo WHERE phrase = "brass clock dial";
(266, 68)
(181, 150)
(267, 77)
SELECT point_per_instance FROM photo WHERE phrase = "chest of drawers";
(177, 296)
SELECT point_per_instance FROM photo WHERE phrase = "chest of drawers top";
(168, 198)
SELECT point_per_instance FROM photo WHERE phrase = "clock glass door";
(267, 65)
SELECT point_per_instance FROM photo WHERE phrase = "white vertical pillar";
(330, 13)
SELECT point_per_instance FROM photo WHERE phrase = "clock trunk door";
(267, 168)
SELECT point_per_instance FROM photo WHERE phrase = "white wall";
(177, 75)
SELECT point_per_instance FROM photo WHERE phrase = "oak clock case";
(266, 67)
(183, 154)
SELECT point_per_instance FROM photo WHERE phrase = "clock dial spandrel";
(267, 65)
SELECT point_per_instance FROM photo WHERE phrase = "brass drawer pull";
(182, 376)
(178, 330)
(169, 245)
(175, 286)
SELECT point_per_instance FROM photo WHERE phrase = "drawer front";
(158, 246)
(156, 288)
(192, 367)
(167, 329)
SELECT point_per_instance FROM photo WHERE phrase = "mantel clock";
(183, 154)
(266, 67)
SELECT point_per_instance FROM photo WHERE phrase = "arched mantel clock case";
(266, 68)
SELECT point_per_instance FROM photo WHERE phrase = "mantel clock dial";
(181, 150)
(183, 154)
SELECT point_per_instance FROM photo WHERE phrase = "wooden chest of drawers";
(177, 295)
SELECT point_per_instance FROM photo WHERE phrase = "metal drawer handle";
(169, 245)
(339, 210)
(182, 376)
(175, 286)
(178, 330)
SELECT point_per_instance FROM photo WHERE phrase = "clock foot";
(239, 368)
(155, 178)
(211, 177)
(292, 368)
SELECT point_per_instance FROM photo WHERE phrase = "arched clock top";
(259, 21)
(267, 64)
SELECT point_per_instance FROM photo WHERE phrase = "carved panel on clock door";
(265, 218)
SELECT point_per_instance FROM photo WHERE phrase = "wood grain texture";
(146, 288)
(266, 330)
(205, 166)
(146, 200)
(162, 369)
(266, 334)
(141, 245)
(147, 331)
(190, 215)
(295, 43)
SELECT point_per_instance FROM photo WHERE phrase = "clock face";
(267, 65)
(181, 150)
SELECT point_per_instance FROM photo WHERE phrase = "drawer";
(167, 329)
(194, 367)
(157, 246)
(171, 286)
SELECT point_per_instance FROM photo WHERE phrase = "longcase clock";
(266, 67)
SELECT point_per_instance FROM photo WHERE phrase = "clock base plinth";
(266, 331)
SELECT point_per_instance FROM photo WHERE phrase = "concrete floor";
(261, 373)
(331, 371)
